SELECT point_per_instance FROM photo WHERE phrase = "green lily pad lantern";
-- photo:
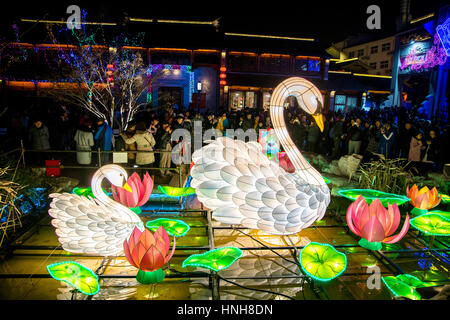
(175, 228)
(445, 198)
(404, 285)
(76, 275)
(176, 191)
(322, 261)
(370, 195)
(431, 277)
(216, 259)
(432, 224)
(444, 214)
(85, 192)
(327, 181)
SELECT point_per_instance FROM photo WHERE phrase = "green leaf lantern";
(175, 228)
(404, 285)
(431, 277)
(370, 195)
(216, 259)
(175, 191)
(76, 275)
(85, 192)
(322, 261)
(432, 224)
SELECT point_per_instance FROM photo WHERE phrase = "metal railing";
(23, 151)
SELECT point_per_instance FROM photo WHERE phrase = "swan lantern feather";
(243, 187)
(94, 226)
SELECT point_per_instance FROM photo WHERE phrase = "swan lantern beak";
(319, 120)
(127, 187)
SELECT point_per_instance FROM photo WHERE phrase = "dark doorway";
(173, 93)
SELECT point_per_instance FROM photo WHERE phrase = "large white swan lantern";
(94, 226)
(242, 186)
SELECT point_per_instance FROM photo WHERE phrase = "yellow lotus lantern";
(423, 199)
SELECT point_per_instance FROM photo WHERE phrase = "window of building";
(274, 63)
(303, 65)
(384, 64)
(266, 100)
(243, 99)
(386, 46)
(339, 102)
(236, 100)
(313, 65)
(250, 99)
(373, 65)
(351, 54)
(344, 103)
(360, 52)
(374, 49)
(242, 62)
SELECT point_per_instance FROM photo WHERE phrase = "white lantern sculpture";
(94, 226)
(242, 186)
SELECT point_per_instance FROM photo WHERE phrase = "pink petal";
(350, 213)
(128, 255)
(133, 196)
(402, 233)
(148, 260)
(359, 209)
(373, 230)
(172, 252)
(394, 213)
(147, 189)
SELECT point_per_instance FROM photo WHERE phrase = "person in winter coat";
(84, 140)
(434, 149)
(338, 137)
(386, 140)
(39, 139)
(415, 148)
(404, 139)
(165, 144)
(120, 144)
(103, 139)
(356, 135)
(38, 136)
(144, 142)
(314, 135)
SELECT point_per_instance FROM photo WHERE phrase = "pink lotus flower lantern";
(374, 223)
(148, 252)
(140, 191)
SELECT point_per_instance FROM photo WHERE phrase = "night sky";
(323, 20)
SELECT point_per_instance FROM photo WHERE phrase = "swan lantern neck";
(310, 100)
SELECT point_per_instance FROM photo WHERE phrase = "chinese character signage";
(420, 57)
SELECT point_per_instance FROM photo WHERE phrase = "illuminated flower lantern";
(423, 199)
(374, 223)
(148, 252)
(139, 195)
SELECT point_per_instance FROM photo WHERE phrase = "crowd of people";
(390, 133)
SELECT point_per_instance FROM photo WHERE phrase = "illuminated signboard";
(419, 57)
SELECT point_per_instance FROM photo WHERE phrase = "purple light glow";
(433, 57)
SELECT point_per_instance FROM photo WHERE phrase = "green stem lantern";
(370, 245)
(150, 277)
